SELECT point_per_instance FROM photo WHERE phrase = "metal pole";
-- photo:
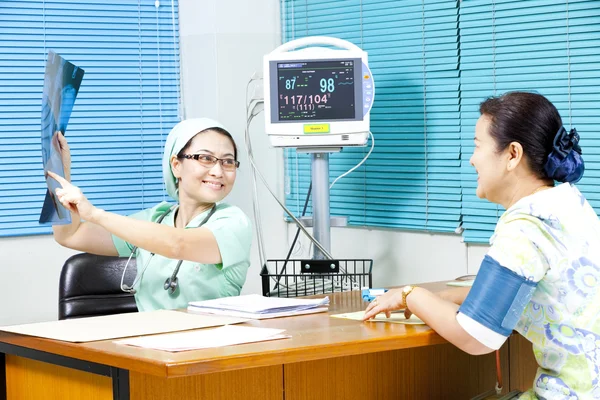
(320, 203)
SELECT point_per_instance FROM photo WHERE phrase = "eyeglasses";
(208, 161)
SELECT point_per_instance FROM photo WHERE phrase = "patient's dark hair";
(527, 118)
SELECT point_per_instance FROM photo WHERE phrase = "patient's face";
(489, 164)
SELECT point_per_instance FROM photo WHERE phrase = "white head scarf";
(179, 136)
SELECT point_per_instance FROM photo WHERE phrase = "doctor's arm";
(85, 236)
(79, 235)
(198, 245)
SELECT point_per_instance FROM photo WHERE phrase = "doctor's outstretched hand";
(386, 303)
(72, 198)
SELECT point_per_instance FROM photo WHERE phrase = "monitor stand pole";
(321, 220)
(320, 203)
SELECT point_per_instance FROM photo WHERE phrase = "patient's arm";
(438, 313)
(456, 294)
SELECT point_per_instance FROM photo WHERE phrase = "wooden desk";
(326, 358)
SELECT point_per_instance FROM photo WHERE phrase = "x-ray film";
(61, 84)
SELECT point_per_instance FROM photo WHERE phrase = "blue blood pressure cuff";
(498, 297)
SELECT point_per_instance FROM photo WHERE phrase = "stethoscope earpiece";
(128, 289)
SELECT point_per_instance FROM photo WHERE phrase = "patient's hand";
(386, 303)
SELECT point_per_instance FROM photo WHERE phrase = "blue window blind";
(126, 105)
(412, 179)
(547, 46)
(434, 62)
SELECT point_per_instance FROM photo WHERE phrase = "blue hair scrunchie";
(564, 161)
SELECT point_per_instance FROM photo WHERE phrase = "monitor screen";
(316, 90)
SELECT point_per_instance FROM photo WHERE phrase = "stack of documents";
(227, 335)
(259, 307)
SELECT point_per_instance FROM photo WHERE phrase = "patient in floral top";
(541, 276)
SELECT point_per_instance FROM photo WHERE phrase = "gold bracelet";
(406, 290)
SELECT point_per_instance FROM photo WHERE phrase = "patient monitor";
(318, 93)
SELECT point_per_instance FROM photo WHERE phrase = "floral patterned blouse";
(553, 238)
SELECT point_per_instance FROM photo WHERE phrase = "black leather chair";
(89, 285)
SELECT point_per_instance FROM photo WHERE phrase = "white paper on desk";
(120, 325)
(395, 318)
(461, 283)
(254, 303)
(242, 314)
(227, 335)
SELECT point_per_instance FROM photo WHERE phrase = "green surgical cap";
(179, 136)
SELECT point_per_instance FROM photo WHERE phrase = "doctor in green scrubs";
(195, 249)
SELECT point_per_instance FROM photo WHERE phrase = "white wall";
(29, 273)
(222, 44)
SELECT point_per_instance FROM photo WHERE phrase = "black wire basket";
(293, 278)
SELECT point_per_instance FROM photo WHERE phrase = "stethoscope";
(172, 282)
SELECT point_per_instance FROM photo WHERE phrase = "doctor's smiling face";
(206, 167)
(489, 163)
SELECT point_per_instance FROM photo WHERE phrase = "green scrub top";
(232, 229)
